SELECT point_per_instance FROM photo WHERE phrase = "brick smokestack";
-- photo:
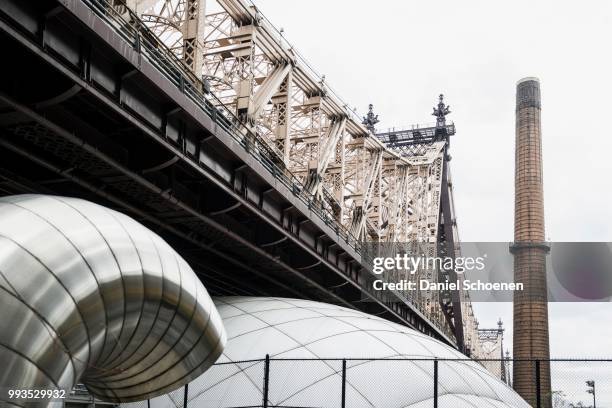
(530, 305)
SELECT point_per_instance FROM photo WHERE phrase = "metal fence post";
(186, 396)
(344, 383)
(266, 381)
(435, 390)
(538, 385)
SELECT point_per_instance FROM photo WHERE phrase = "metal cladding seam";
(97, 298)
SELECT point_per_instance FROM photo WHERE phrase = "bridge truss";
(391, 187)
(378, 194)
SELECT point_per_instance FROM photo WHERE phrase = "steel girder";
(178, 23)
(375, 192)
(133, 95)
(378, 194)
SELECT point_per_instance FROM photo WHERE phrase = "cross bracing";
(381, 188)
(375, 192)
(272, 102)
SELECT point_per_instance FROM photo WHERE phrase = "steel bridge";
(212, 130)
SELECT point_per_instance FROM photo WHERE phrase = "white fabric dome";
(290, 328)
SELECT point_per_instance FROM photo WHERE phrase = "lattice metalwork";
(179, 24)
(379, 193)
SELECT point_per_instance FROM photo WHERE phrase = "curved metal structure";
(97, 298)
(306, 341)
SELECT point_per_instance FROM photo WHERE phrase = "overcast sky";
(400, 54)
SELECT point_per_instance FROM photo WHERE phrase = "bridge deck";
(91, 109)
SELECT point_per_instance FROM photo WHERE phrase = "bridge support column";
(193, 30)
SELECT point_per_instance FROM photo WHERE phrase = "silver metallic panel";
(97, 298)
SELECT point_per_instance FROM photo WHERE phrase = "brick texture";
(530, 306)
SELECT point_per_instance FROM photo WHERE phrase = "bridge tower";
(414, 142)
(530, 305)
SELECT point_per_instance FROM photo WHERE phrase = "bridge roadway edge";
(147, 70)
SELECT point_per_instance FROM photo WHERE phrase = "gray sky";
(400, 54)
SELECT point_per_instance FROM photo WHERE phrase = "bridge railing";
(135, 32)
(127, 24)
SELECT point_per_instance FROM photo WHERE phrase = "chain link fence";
(397, 382)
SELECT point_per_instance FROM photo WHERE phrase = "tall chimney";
(530, 249)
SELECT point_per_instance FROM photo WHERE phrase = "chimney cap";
(527, 79)
(528, 93)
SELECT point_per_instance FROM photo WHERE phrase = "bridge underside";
(83, 115)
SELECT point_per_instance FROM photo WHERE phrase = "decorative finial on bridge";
(370, 119)
(500, 325)
(440, 112)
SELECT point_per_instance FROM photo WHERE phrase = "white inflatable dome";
(300, 329)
